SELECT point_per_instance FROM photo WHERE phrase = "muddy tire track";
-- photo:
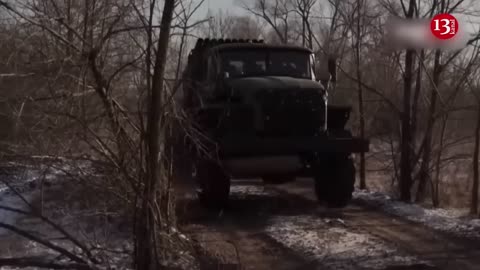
(444, 251)
(253, 234)
(235, 238)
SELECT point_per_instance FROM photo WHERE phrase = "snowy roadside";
(20, 177)
(68, 203)
(26, 178)
(331, 245)
(452, 221)
(14, 202)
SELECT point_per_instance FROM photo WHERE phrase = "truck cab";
(262, 113)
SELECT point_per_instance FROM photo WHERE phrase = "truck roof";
(246, 45)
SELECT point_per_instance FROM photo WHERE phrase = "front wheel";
(213, 184)
(335, 180)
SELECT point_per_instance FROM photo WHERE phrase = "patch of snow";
(113, 247)
(9, 199)
(249, 190)
(183, 260)
(10, 217)
(24, 174)
(451, 221)
(334, 247)
(447, 213)
(8, 75)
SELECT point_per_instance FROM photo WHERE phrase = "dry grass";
(455, 175)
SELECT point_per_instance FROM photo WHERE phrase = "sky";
(234, 8)
(231, 5)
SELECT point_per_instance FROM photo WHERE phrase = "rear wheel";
(334, 181)
(213, 184)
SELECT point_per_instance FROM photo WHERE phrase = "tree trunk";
(424, 173)
(416, 97)
(474, 202)
(147, 246)
(436, 183)
(363, 184)
(406, 140)
(69, 31)
(303, 31)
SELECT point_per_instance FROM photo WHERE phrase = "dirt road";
(283, 227)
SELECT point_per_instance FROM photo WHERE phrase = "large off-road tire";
(213, 184)
(334, 181)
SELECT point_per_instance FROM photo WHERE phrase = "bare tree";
(108, 48)
(154, 209)
(218, 26)
(473, 88)
(475, 160)
(407, 140)
(304, 8)
(277, 15)
(224, 25)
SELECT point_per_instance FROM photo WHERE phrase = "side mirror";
(332, 68)
(326, 69)
(321, 73)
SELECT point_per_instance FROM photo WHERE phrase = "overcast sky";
(231, 5)
(234, 7)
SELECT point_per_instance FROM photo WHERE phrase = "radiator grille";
(291, 112)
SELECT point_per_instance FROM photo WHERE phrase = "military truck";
(260, 111)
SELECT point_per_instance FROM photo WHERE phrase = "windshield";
(246, 63)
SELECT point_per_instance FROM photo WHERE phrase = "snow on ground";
(446, 220)
(23, 176)
(18, 179)
(329, 244)
(9, 217)
(244, 190)
(113, 246)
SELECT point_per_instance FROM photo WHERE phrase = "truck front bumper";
(259, 146)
